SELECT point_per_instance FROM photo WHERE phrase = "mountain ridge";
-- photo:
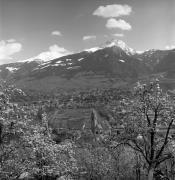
(111, 64)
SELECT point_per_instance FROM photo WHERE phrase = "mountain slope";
(113, 64)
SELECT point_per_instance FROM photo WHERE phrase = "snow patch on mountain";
(68, 59)
(139, 52)
(45, 63)
(55, 65)
(94, 49)
(33, 59)
(12, 69)
(58, 62)
(63, 64)
(69, 63)
(73, 67)
(121, 60)
(80, 59)
(44, 66)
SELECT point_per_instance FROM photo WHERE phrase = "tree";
(148, 120)
(95, 162)
(27, 147)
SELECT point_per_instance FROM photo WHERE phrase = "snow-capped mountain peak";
(120, 44)
(114, 43)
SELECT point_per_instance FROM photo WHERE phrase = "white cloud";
(56, 33)
(8, 48)
(89, 37)
(11, 40)
(118, 35)
(114, 10)
(121, 24)
(169, 47)
(54, 52)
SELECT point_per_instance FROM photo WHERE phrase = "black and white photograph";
(87, 89)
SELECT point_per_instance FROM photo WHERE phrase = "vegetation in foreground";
(129, 136)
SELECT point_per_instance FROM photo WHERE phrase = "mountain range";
(113, 64)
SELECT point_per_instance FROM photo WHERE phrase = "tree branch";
(141, 151)
(166, 139)
(169, 156)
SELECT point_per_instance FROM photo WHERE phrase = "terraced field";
(72, 119)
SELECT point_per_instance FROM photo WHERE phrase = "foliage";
(95, 162)
(148, 120)
(28, 147)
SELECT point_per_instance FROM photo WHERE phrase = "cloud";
(8, 48)
(114, 10)
(11, 40)
(89, 37)
(118, 35)
(121, 24)
(56, 33)
(169, 47)
(54, 52)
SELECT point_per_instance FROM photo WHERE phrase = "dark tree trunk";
(138, 174)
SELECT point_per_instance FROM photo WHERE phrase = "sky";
(47, 29)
